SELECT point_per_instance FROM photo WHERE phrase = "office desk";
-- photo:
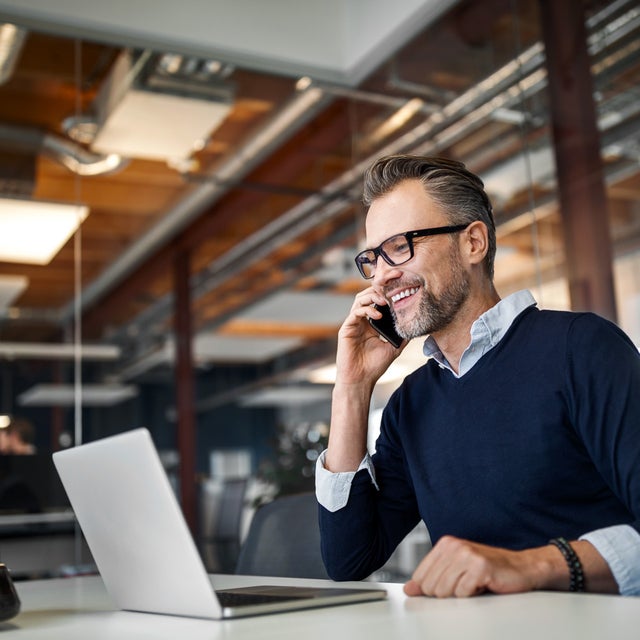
(79, 608)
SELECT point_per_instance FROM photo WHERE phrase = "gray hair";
(449, 183)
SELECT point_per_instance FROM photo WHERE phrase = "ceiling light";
(64, 395)
(61, 351)
(146, 112)
(33, 232)
(285, 397)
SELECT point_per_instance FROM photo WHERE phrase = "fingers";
(364, 301)
(460, 568)
(412, 588)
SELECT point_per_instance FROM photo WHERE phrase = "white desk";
(79, 608)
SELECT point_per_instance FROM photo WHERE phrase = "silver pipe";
(73, 156)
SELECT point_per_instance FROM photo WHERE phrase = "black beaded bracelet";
(576, 574)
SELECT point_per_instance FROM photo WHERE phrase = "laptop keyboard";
(238, 599)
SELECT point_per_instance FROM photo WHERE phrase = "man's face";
(426, 292)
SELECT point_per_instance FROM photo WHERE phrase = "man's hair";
(449, 183)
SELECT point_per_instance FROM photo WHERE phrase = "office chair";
(284, 540)
(221, 545)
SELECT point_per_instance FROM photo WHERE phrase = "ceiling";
(266, 214)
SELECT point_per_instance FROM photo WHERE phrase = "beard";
(437, 311)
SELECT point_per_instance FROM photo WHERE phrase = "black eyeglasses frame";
(409, 237)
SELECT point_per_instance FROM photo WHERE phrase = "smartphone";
(385, 326)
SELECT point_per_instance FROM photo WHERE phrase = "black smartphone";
(385, 327)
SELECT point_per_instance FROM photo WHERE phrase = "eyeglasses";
(398, 249)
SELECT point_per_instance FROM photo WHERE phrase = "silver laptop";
(143, 548)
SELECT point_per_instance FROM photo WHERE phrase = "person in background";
(517, 442)
(18, 438)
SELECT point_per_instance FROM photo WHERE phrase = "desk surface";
(79, 608)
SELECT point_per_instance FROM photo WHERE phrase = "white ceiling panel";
(305, 307)
(334, 40)
(241, 349)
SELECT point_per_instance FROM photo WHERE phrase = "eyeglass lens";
(395, 251)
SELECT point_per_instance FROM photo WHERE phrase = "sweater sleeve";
(359, 538)
(603, 382)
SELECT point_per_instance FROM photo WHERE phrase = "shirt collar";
(485, 332)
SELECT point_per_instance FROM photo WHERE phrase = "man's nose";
(384, 272)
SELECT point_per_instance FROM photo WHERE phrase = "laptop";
(143, 548)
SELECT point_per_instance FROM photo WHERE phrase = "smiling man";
(517, 442)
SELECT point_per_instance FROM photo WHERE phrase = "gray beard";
(436, 312)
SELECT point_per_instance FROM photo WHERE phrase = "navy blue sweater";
(541, 438)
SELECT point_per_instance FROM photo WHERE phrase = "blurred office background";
(180, 206)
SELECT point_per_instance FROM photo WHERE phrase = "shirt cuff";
(620, 547)
(332, 489)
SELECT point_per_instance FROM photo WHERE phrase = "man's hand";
(362, 356)
(460, 568)
(360, 361)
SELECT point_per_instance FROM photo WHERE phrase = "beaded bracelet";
(576, 574)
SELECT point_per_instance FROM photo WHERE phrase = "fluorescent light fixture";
(329, 309)
(158, 126)
(10, 288)
(61, 351)
(64, 395)
(33, 232)
(285, 397)
(245, 349)
(157, 117)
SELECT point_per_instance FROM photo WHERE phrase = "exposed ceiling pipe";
(11, 42)
(73, 156)
(81, 160)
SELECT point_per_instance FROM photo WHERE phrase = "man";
(517, 443)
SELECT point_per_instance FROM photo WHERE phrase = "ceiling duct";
(27, 142)
(160, 107)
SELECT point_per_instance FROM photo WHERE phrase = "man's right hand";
(363, 356)
(361, 359)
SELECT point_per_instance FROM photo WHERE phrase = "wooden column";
(185, 388)
(583, 201)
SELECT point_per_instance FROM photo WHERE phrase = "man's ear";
(476, 242)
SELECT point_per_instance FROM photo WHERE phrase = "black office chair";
(284, 540)
(221, 547)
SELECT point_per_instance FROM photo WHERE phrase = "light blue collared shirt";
(618, 545)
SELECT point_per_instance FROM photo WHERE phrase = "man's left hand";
(460, 568)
